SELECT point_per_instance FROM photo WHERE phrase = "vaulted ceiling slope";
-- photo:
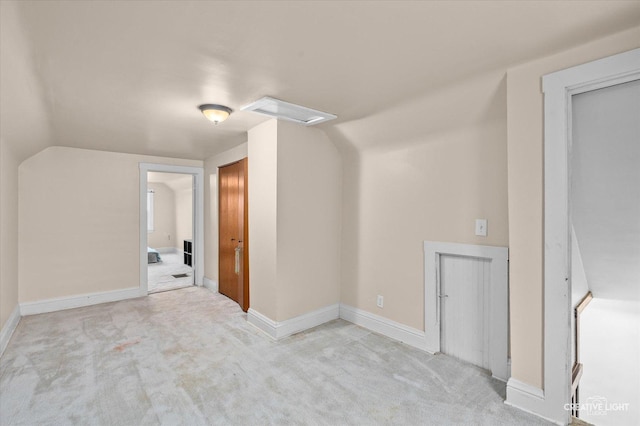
(128, 76)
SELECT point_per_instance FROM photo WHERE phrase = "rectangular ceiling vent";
(288, 111)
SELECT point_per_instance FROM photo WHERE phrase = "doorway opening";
(169, 231)
(560, 268)
(171, 227)
(605, 252)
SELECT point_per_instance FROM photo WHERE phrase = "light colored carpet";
(160, 275)
(189, 357)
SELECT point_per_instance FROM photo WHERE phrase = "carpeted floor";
(160, 275)
(189, 357)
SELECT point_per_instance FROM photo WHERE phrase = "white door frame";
(198, 219)
(558, 89)
(498, 299)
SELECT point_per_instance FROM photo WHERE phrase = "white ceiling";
(128, 76)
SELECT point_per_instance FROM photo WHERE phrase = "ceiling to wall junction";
(128, 76)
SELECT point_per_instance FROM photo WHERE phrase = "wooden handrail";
(584, 302)
(577, 311)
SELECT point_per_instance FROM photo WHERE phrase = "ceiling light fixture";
(215, 113)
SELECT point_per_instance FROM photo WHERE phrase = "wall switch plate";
(380, 301)
(481, 227)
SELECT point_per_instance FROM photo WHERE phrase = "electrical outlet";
(380, 301)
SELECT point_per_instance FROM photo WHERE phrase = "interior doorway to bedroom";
(170, 231)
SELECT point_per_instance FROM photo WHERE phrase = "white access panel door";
(464, 299)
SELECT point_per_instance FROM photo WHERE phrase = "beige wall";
(444, 165)
(211, 206)
(8, 232)
(164, 217)
(24, 130)
(294, 220)
(79, 222)
(308, 220)
(525, 153)
(262, 152)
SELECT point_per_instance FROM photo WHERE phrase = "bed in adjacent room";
(153, 255)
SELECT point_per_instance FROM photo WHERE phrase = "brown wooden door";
(233, 250)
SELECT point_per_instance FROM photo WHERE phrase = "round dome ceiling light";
(215, 113)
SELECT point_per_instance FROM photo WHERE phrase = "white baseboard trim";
(279, 330)
(526, 397)
(394, 330)
(262, 322)
(62, 303)
(211, 284)
(8, 328)
(524, 389)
